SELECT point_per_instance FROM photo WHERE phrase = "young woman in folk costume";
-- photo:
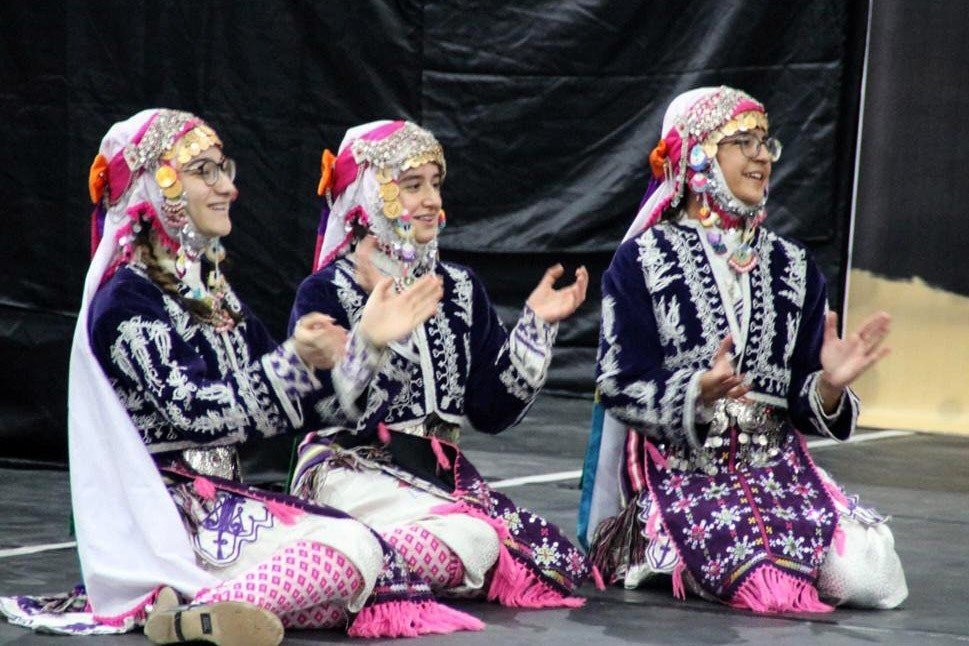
(169, 374)
(717, 352)
(395, 463)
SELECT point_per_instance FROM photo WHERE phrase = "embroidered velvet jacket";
(184, 384)
(664, 312)
(461, 365)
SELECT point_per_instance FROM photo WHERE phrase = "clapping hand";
(389, 316)
(720, 381)
(553, 305)
(844, 360)
(318, 340)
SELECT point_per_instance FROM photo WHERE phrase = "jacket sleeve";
(634, 385)
(344, 389)
(507, 370)
(169, 389)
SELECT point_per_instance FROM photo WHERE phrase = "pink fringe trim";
(512, 583)
(769, 590)
(655, 455)
(135, 616)
(383, 433)
(410, 619)
(286, 514)
(679, 590)
(653, 523)
(835, 492)
(839, 540)
(204, 487)
(442, 460)
(597, 578)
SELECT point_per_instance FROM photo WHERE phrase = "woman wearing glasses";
(170, 373)
(717, 353)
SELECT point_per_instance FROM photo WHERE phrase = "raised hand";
(364, 271)
(553, 305)
(720, 380)
(844, 360)
(318, 340)
(389, 316)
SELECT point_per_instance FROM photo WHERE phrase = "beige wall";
(924, 383)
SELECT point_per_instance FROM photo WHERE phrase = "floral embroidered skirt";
(754, 526)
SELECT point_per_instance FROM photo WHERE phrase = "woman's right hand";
(319, 340)
(720, 381)
(389, 316)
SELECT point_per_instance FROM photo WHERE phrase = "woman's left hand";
(844, 360)
(553, 305)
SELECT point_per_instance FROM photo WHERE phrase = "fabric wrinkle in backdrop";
(547, 111)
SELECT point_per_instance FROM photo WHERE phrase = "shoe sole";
(226, 623)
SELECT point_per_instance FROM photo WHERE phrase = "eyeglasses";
(211, 171)
(750, 146)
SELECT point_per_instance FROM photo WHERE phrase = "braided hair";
(198, 309)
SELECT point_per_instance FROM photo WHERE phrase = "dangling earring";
(175, 203)
(441, 220)
(190, 248)
(215, 252)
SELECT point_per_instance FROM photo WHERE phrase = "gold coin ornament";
(174, 191)
(389, 191)
(165, 176)
(393, 209)
(384, 175)
(192, 144)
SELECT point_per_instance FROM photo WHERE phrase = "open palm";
(389, 316)
(553, 305)
(844, 360)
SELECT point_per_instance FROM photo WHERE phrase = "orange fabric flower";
(97, 178)
(326, 171)
(657, 158)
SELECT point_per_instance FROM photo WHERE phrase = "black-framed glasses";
(750, 146)
(211, 171)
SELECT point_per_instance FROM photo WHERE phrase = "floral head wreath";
(685, 155)
(360, 189)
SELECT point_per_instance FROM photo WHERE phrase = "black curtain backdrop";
(911, 219)
(547, 110)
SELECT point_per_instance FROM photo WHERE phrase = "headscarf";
(133, 181)
(359, 185)
(130, 537)
(686, 155)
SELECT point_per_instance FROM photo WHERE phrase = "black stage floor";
(922, 480)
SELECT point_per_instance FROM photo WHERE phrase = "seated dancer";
(169, 374)
(395, 464)
(717, 352)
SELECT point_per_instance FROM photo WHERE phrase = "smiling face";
(746, 178)
(208, 206)
(420, 195)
